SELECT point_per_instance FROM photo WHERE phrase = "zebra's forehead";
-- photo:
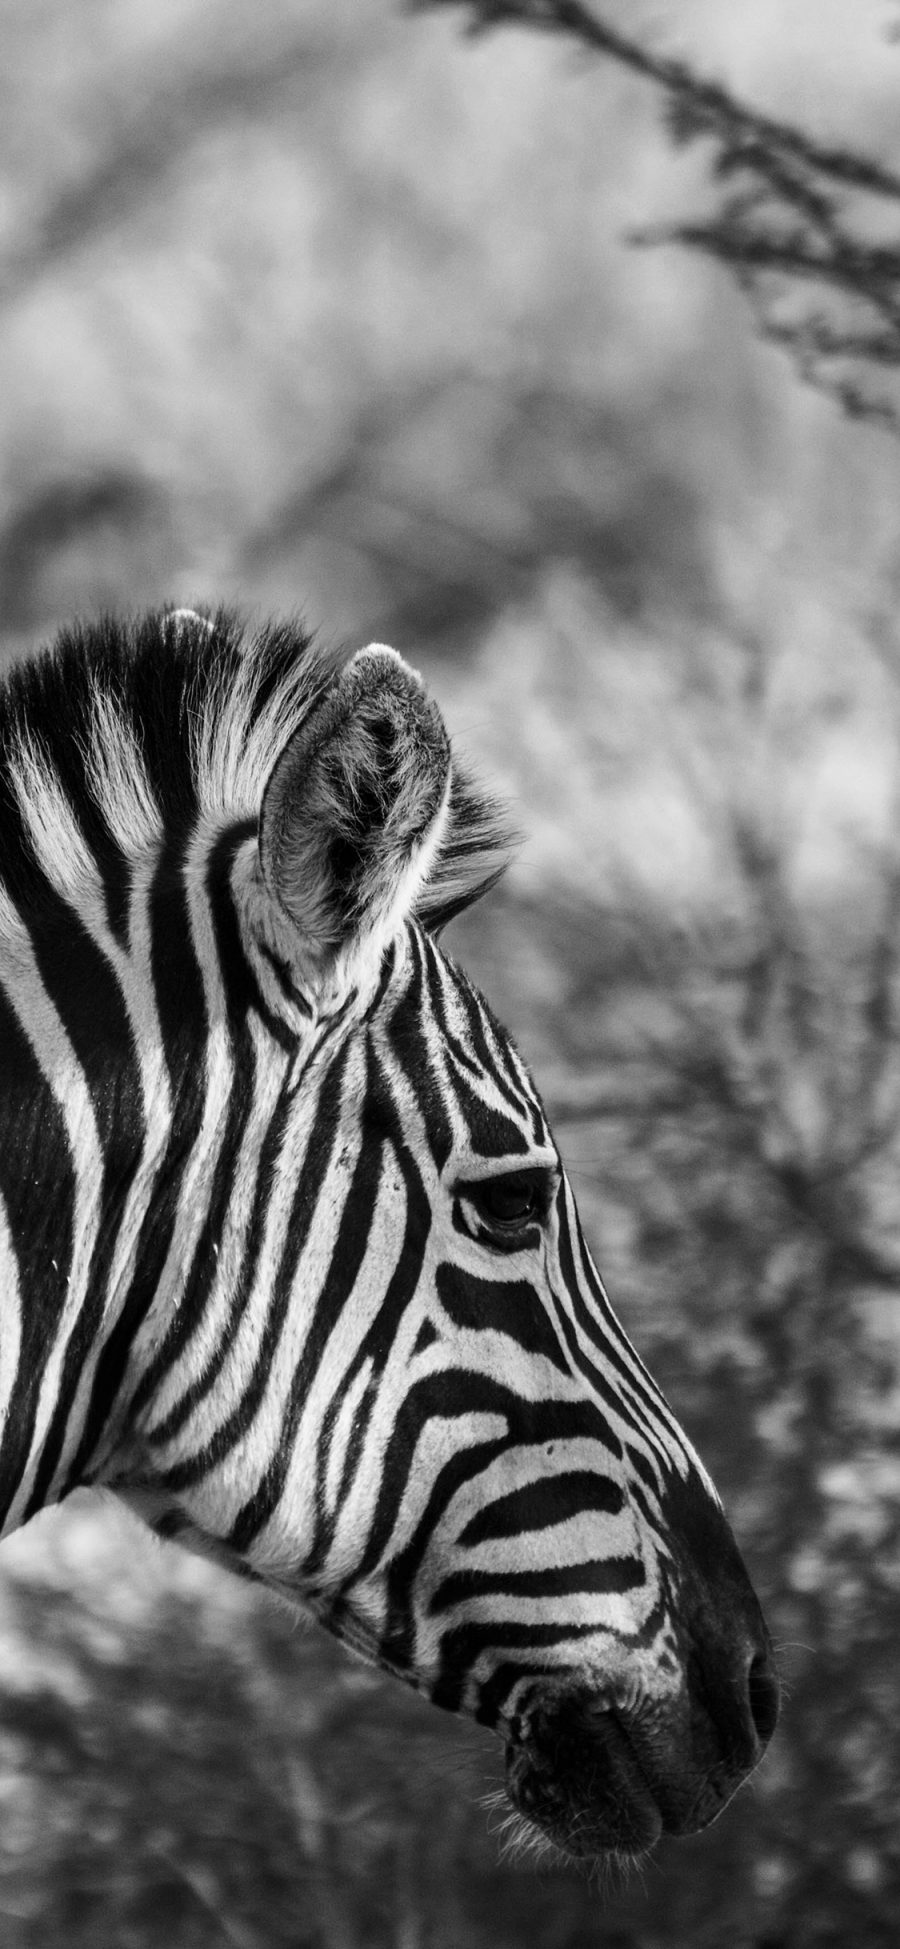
(438, 1029)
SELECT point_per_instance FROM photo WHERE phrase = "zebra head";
(332, 1313)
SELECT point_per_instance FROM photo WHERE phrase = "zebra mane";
(122, 735)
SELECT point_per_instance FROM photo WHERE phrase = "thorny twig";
(795, 212)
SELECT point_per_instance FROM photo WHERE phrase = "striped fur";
(256, 1277)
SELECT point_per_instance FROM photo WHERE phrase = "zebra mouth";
(585, 1789)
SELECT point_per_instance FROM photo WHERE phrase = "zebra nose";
(729, 1671)
(733, 1696)
(763, 1695)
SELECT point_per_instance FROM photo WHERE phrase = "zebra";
(290, 1262)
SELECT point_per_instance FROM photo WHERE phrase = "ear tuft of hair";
(479, 838)
(354, 810)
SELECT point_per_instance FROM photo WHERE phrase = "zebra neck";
(130, 1069)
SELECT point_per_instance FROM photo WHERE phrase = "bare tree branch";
(797, 211)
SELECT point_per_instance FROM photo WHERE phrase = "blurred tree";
(793, 215)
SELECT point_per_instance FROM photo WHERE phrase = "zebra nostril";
(763, 1695)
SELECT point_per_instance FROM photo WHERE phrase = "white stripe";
(268, 1073)
(65, 1077)
(10, 1299)
(118, 779)
(218, 1497)
(49, 819)
(132, 972)
(199, 1167)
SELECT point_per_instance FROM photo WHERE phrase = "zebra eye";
(509, 1203)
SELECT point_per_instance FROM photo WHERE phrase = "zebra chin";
(586, 1794)
(595, 1779)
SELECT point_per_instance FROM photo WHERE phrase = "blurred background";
(318, 305)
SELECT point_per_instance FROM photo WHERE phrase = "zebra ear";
(354, 811)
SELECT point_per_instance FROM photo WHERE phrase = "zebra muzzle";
(579, 1779)
(597, 1776)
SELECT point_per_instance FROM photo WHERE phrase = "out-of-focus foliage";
(318, 306)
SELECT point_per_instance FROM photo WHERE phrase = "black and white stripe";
(289, 1258)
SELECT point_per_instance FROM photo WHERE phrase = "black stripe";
(189, 1316)
(640, 1381)
(285, 976)
(596, 1577)
(463, 1647)
(490, 1133)
(637, 1405)
(643, 1468)
(587, 1367)
(178, 992)
(376, 1346)
(38, 1188)
(478, 1014)
(409, 1049)
(240, 992)
(89, 1002)
(312, 1176)
(508, 1306)
(543, 1503)
(340, 1282)
(494, 1694)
